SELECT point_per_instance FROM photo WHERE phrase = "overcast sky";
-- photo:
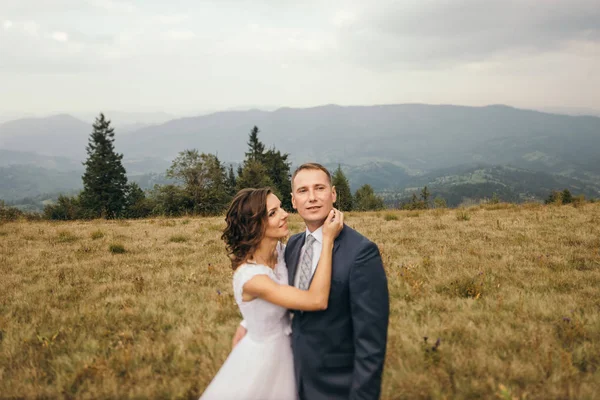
(189, 56)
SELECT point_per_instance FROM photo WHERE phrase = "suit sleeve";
(369, 302)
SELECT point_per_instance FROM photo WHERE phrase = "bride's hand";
(334, 223)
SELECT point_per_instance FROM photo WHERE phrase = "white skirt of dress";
(256, 371)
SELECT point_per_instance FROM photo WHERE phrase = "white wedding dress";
(261, 366)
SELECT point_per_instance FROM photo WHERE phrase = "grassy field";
(144, 309)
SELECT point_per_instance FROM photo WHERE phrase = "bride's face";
(277, 227)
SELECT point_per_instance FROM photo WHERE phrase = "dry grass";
(511, 292)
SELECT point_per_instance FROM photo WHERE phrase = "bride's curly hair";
(246, 224)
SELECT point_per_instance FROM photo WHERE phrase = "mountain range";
(392, 147)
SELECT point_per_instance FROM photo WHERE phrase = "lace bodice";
(263, 319)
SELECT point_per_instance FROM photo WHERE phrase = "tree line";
(204, 184)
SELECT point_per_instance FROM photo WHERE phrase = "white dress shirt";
(317, 247)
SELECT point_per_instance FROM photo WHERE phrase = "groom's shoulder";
(354, 236)
(356, 245)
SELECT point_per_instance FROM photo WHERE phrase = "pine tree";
(425, 197)
(265, 169)
(104, 180)
(278, 170)
(231, 181)
(256, 148)
(366, 200)
(344, 201)
(254, 175)
(136, 204)
(567, 197)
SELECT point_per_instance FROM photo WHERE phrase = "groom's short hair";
(313, 166)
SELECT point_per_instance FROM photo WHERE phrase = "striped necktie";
(306, 264)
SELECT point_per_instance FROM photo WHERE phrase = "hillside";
(394, 148)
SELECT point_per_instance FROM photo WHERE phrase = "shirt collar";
(317, 234)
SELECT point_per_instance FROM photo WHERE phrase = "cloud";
(343, 18)
(171, 19)
(31, 28)
(430, 33)
(313, 52)
(60, 36)
(52, 8)
(113, 5)
(180, 35)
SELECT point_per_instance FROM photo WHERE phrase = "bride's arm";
(239, 335)
(317, 296)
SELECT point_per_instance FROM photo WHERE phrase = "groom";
(338, 353)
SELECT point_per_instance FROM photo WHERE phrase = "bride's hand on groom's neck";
(333, 225)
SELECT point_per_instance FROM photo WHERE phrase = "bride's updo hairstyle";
(246, 224)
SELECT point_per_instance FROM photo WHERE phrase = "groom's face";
(312, 196)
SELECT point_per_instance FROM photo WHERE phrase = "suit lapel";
(295, 259)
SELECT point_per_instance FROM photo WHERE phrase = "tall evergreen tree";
(254, 175)
(265, 168)
(231, 181)
(344, 200)
(104, 180)
(256, 148)
(278, 170)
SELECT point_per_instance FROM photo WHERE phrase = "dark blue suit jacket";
(339, 352)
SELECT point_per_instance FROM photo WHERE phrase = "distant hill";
(19, 181)
(33, 185)
(391, 147)
(128, 118)
(474, 182)
(10, 157)
(59, 135)
(418, 137)
(571, 111)
(380, 175)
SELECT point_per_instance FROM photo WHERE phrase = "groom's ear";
(334, 194)
(293, 202)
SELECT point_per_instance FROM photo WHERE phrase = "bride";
(261, 365)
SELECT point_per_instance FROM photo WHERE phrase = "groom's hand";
(239, 335)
